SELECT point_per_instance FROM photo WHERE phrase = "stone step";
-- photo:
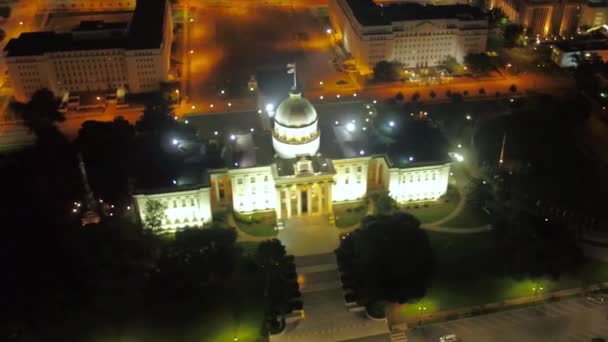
(398, 336)
(317, 268)
(315, 259)
(321, 286)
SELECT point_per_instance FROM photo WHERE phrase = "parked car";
(449, 338)
(596, 299)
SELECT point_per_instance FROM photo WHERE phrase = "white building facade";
(86, 5)
(100, 60)
(410, 33)
(302, 184)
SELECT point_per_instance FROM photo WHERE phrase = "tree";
(513, 88)
(273, 260)
(482, 91)
(479, 62)
(399, 96)
(497, 16)
(478, 193)
(107, 149)
(385, 71)
(41, 112)
(432, 94)
(384, 204)
(154, 215)
(415, 96)
(534, 247)
(375, 258)
(465, 92)
(157, 117)
(514, 35)
(452, 65)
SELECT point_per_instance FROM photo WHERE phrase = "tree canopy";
(534, 246)
(514, 35)
(385, 71)
(41, 112)
(390, 258)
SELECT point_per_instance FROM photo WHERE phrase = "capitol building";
(300, 163)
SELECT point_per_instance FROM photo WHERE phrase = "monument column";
(217, 190)
(278, 204)
(328, 188)
(288, 201)
(299, 199)
(319, 198)
(377, 179)
(309, 198)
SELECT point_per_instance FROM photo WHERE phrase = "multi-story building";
(543, 17)
(594, 14)
(95, 56)
(287, 170)
(567, 53)
(86, 5)
(413, 34)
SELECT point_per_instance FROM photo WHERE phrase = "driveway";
(309, 235)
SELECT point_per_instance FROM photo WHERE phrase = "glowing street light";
(269, 107)
(355, 95)
(229, 104)
(391, 123)
(374, 102)
(459, 146)
(321, 97)
(328, 31)
(320, 82)
(338, 96)
(211, 105)
(191, 51)
(222, 91)
(232, 137)
(337, 122)
(216, 133)
(350, 127)
(362, 152)
(175, 142)
(174, 182)
(186, 122)
(411, 158)
(193, 107)
(251, 89)
(251, 129)
(468, 117)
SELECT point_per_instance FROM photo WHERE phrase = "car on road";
(596, 299)
(449, 338)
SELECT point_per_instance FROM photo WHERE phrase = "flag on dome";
(291, 68)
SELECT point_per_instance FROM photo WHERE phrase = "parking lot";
(569, 320)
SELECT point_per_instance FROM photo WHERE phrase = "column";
(288, 201)
(278, 204)
(377, 179)
(319, 198)
(330, 205)
(309, 199)
(299, 199)
(217, 190)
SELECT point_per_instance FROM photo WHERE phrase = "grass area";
(467, 275)
(349, 214)
(257, 224)
(429, 212)
(469, 218)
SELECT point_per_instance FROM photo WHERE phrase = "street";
(568, 320)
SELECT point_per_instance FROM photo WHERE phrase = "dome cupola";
(296, 131)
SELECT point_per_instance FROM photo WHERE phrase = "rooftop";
(145, 32)
(582, 45)
(368, 13)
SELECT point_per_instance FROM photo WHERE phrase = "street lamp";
(350, 127)
(328, 31)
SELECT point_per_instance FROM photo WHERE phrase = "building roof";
(145, 32)
(369, 13)
(295, 111)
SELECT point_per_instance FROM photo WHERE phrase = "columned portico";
(303, 199)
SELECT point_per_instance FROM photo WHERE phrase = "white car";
(596, 300)
(448, 338)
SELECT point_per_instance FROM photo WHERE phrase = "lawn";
(257, 224)
(469, 218)
(349, 214)
(430, 212)
(467, 275)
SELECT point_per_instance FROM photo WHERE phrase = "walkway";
(326, 317)
(451, 230)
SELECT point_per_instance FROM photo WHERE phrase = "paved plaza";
(326, 318)
(573, 320)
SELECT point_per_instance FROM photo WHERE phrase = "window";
(174, 204)
(239, 181)
(252, 180)
(192, 202)
(265, 178)
(359, 168)
(346, 181)
(347, 170)
(183, 203)
(358, 179)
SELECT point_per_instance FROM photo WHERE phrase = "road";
(568, 320)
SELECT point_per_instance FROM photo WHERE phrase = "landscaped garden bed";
(349, 214)
(257, 224)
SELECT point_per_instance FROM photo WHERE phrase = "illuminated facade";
(593, 14)
(543, 17)
(410, 33)
(305, 182)
(86, 5)
(95, 57)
